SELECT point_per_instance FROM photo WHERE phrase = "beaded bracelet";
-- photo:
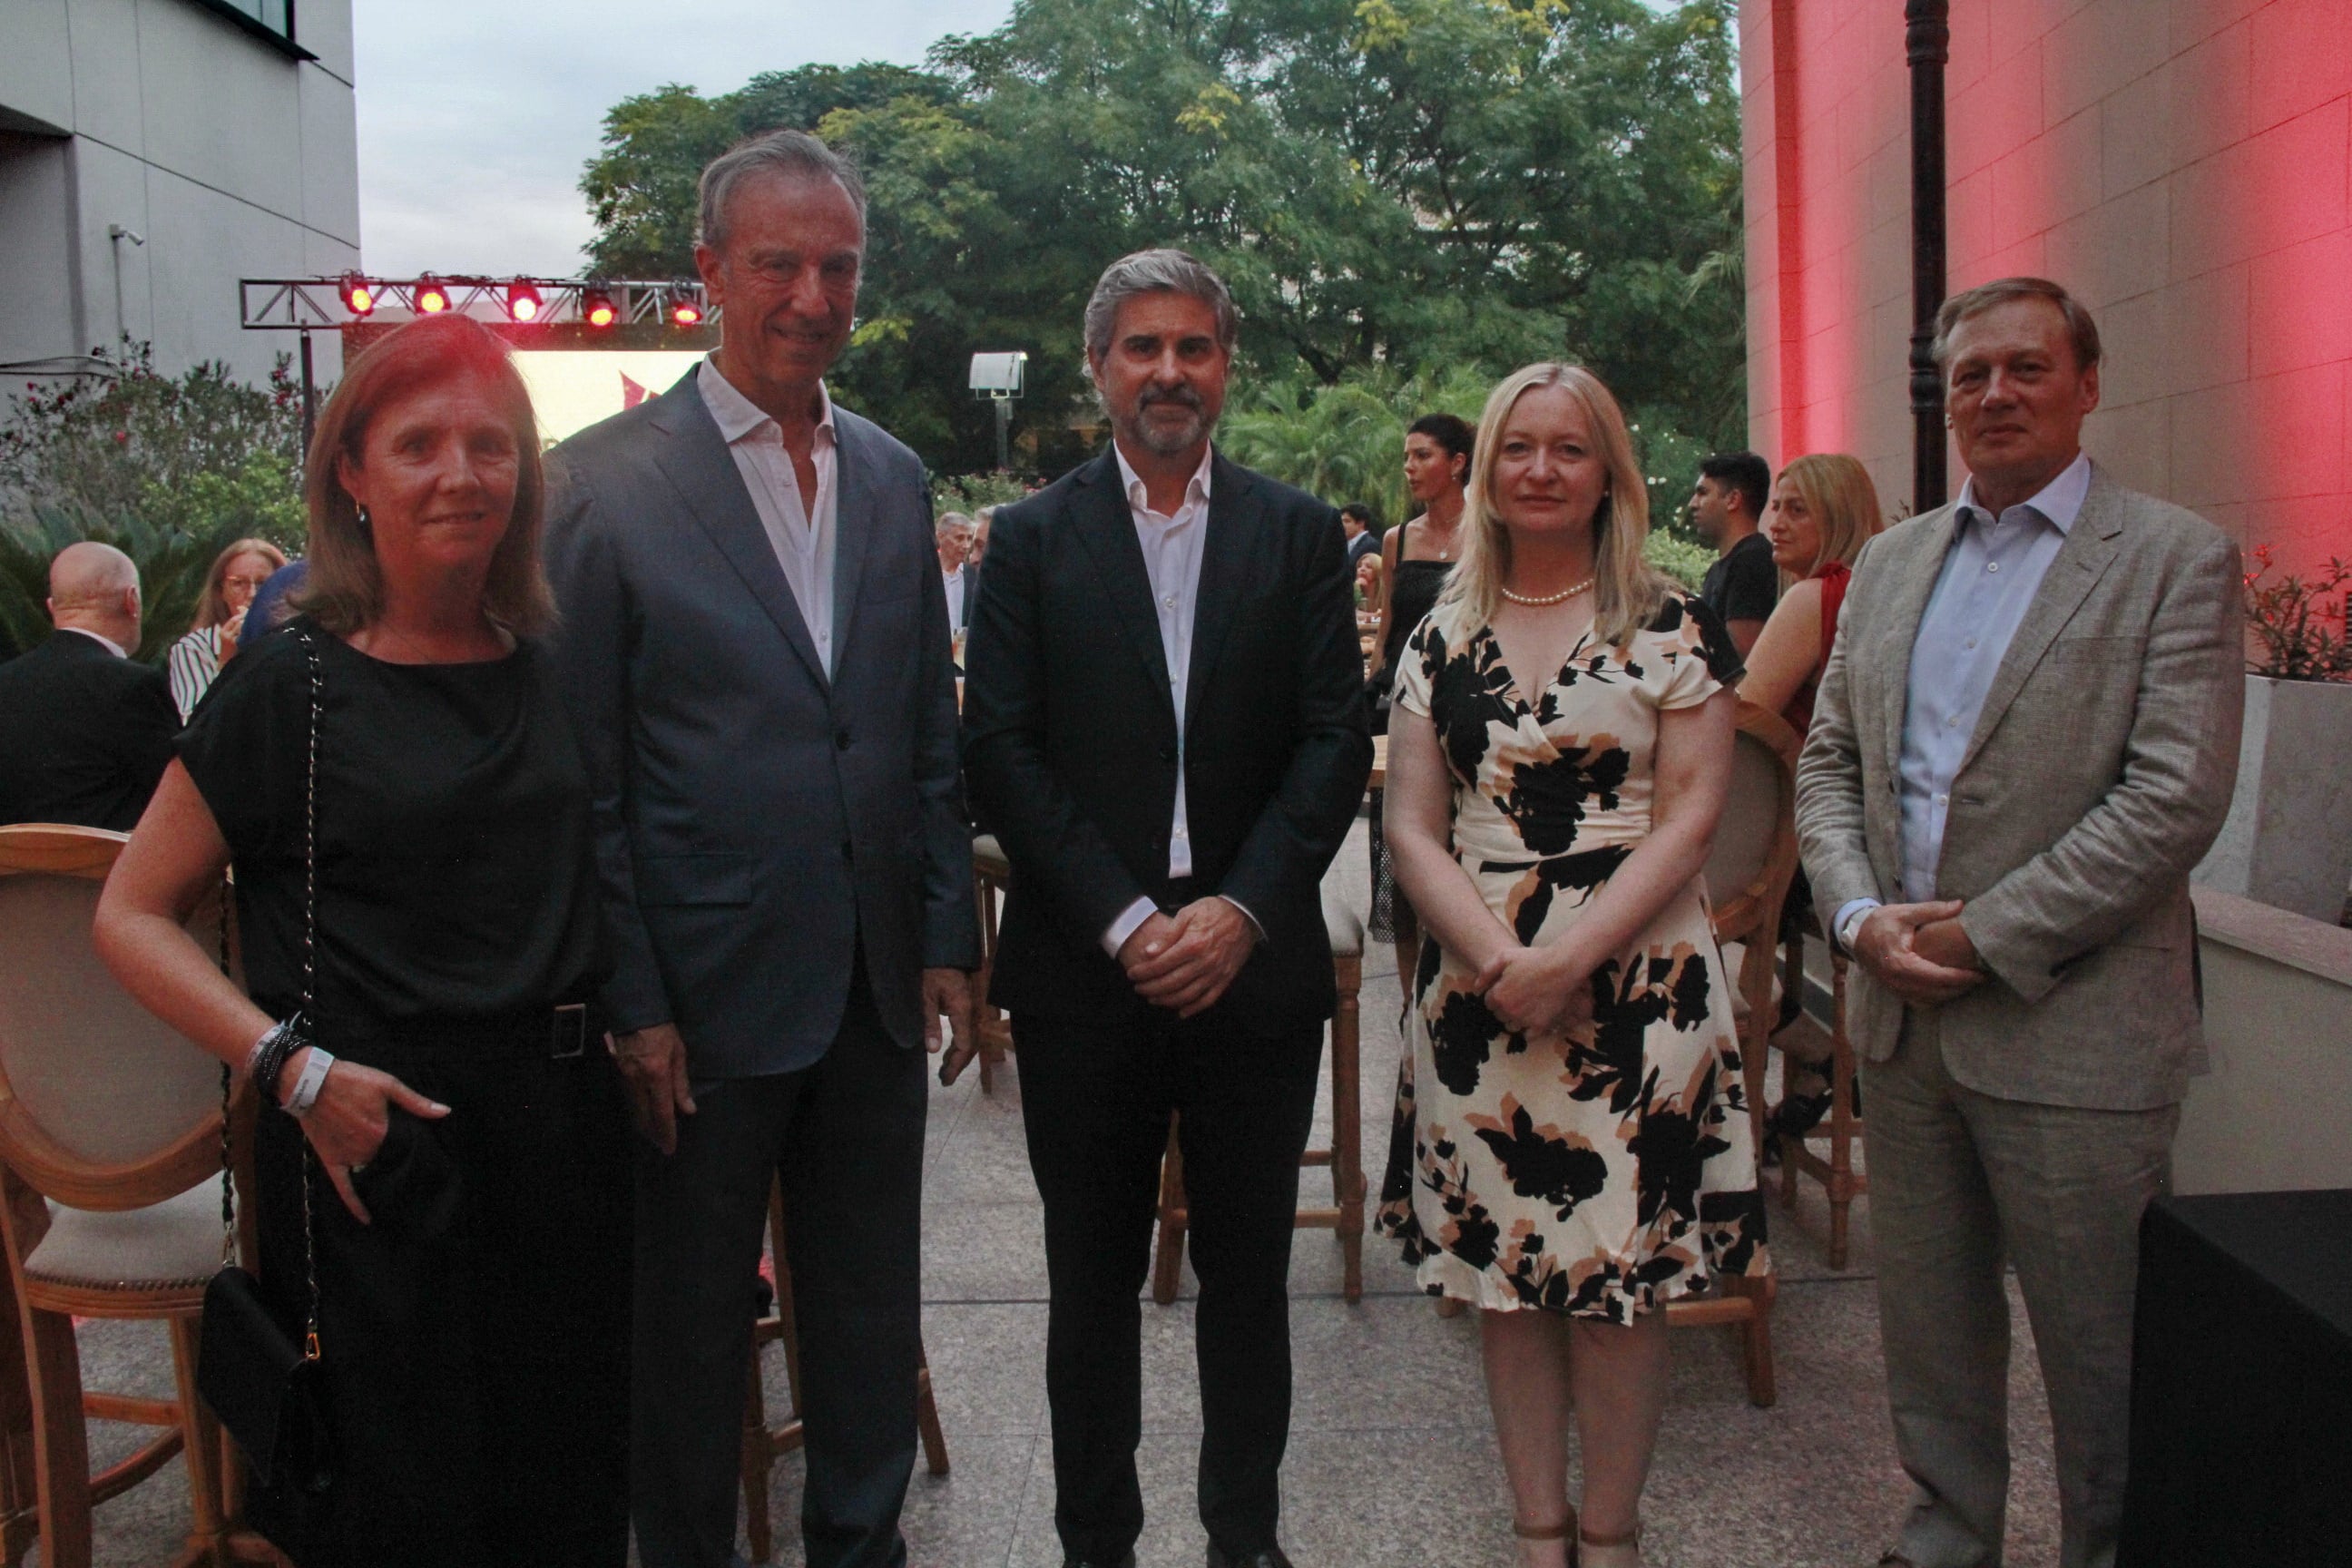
(269, 1057)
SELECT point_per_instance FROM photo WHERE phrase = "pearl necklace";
(1561, 597)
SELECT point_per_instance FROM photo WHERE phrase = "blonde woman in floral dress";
(1572, 1147)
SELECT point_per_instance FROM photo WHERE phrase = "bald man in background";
(89, 728)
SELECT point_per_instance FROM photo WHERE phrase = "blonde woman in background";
(236, 575)
(1825, 510)
(1571, 1148)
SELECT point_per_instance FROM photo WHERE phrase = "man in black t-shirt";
(1726, 507)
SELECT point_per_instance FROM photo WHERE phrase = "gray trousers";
(1960, 1182)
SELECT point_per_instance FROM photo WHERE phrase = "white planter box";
(2288, 839)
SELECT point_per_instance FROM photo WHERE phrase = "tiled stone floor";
(1392, 1463)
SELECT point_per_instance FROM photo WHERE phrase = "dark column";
(1929, 42)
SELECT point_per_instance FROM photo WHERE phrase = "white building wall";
(229, 157)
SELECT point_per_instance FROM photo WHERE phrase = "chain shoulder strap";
(309, 990)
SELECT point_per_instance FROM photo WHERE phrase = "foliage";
(2290, 619)
(1429, 190)
(201, 453)
(172, 566)
(967, 493)
(1343, 442)
(1683, 560)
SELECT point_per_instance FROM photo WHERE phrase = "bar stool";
(763, 1445)
(1345, 1216)
(992, 874)
(1836, 1175)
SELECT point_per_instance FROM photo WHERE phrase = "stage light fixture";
(596, 308)
(523, 303)
(432, 299)
(685, 310)
(358, 294)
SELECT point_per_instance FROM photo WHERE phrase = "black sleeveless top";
(1413, 593)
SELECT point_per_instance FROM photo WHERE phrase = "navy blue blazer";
(759, 823)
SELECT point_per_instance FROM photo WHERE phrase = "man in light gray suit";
(2025, 737)
(755, 649)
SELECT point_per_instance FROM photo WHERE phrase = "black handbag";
(267, 1387)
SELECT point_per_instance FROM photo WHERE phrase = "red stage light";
(596, 308)
(523, 303)
(432, 299)
(358, 294)
(685, 310)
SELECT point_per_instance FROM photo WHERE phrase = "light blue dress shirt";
(1992, 571)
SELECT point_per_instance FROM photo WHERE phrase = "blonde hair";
(212, 609)
(1837, 490)
(1627, 591)
(343, 589)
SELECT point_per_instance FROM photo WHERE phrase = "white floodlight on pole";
(999, 378)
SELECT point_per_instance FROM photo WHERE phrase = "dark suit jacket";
(1363, 544)
(756, 818)
(1070, 738)
(88, 734)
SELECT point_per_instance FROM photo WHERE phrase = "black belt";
(562, 1032)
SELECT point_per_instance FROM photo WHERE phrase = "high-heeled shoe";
(1609, 1551)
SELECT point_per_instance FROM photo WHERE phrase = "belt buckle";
(568, 1032)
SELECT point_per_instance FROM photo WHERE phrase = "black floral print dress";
(1606, 1174)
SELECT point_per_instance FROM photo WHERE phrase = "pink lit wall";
(2184, 166)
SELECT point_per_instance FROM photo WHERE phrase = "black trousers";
(845, 1135)
(475, 1335)
(1095, 1102)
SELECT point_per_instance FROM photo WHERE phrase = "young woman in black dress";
(1414, 559)
(450, 1079)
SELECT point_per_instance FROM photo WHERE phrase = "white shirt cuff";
(1246, 914)
(1129, 919)
(1848, 920)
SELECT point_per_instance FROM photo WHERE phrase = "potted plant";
(2288, 839)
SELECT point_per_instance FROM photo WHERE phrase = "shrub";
(171, 566)
(2290, 619)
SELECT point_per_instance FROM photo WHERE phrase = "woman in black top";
(450, 1076)
(1414, 559)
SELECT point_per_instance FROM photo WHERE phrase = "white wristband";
(307, 1087)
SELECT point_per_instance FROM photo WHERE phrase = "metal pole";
(1929, 40)
(310, 398)
(1003, 434)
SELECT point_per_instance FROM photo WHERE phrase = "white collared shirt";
(953, 579)
(1171, 559)
(1993, 570)
(802, 538)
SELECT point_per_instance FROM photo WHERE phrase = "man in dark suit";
(1164, 724)
(89, 728)
(1356, 522)
(756, 653)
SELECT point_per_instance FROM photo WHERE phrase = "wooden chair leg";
(927, 1418)
(1166, 1264)
(1348, 1126)
(1756, 1341)
(200, 1449)
(60, 1439)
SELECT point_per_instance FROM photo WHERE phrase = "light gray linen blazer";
(2098, 774)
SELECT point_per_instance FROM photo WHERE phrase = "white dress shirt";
(1171, 559)
(953, 578)
(1992, 571)
(802, 538)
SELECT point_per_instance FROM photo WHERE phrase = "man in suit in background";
(1356, 522)
(1163, 723)
(952, 536)
(756, 655)
(2025, 738)
(89, 728)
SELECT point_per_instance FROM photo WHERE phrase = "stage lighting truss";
(308, 304)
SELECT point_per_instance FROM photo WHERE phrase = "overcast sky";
(474, 120)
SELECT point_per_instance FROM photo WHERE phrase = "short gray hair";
(948, 521)
(2081, 330)
(793, 154)
(1156, 272)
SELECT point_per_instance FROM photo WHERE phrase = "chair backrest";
(102, 1106)
(1755, 851)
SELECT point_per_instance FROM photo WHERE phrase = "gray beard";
(1161, 441)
